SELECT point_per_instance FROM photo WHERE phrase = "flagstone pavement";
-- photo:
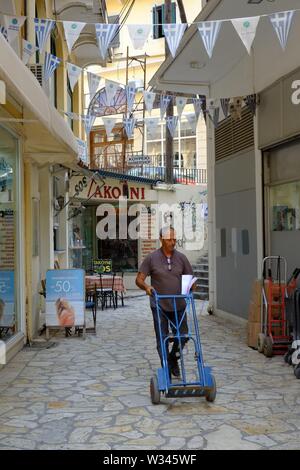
(94, 393)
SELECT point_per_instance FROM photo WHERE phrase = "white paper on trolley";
(187, 280)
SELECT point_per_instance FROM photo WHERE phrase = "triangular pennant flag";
(129, 125)
(180, 104)
(139, 34)
(172, 122)
(246, 29)
(13, 25)
(72, 32)
(43, 28)
(213, 115)
(164, 103)
(152, 125)
(73, 73)
(149, 99)
(50, 65)
(130, 90)
(209, 32)
(93, 83)
(109, 124)
(225, 106)
(27, 51)
(250, 101)
(282, 23)
(192, 120)
(111, 89)
(105, 34)
(173, 33)
(82, 150)
(88, 121)
(197, 102)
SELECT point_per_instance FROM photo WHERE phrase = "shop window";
(285, 207)
(9, 276)
(158, 15)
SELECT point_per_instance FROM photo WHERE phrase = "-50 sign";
(296, 94)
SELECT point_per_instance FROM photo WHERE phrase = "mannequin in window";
(77, 240)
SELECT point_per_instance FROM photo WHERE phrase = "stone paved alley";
(94, 394)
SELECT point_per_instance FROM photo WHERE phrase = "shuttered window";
(158, 16)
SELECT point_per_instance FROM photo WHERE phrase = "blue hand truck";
(201, 383)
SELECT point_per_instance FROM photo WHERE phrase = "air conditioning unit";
(38, 72)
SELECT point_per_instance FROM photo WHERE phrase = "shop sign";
(107, 191)
(65, 297)
(7, 304)
(102, 266)
(139, 159)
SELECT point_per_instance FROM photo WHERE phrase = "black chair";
(106, 291)
(91, 304)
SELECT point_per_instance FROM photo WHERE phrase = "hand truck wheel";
(154, 390)
(297, 372)
(211, 395)
(260, 342)
(268, 347)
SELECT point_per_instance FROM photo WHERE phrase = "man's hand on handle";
(149, 290)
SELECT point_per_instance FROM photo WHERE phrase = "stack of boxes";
(254, 318)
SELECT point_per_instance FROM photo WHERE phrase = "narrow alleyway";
(94, 394)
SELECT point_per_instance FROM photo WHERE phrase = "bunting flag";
(172, 122)
(250, 101)
(27, 51)
(72, 32)
(73, 73)
(197, 102)
(111, 89)
(164, 103)
(129, 125)
(43, 28)
(282, 23)
(152, 125)
(209, 32)
(225, 106)
(139, 34)
(3, 31)
(50, 65)
(246, 29)
(192, 120)
(82, 150)
(130, 90)
(180, 104)
(105, 34)
(93, 83)
(173, 33)
(149, 99)
(214, 116)
(88, 121)
(13, 25)
(109, 123)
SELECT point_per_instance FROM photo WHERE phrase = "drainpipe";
(211, 200)
(259, 198)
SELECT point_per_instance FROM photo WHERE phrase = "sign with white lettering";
(65, 297)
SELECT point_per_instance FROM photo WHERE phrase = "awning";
(50, 139)
(231, 71)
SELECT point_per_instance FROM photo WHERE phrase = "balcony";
(148, 167)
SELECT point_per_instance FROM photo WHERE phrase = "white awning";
(50, 138)
(231, 71)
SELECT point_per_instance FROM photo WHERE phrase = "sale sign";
(102, 266)
(65, 297)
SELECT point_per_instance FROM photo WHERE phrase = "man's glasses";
(169, 264)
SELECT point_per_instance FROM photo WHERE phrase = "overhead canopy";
(90, 12)
(49, 138)
(231, 71)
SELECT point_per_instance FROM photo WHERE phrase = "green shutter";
(173, 12)
(154, 21)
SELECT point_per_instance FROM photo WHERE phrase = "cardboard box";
(254, 312)
(256, 291)
(253, 330)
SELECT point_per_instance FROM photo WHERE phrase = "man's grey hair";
(165, 230)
